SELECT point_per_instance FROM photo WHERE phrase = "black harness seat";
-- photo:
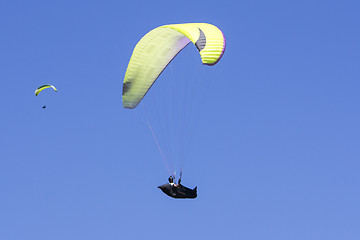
(178, 191)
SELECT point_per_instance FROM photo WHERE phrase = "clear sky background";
(275, 154)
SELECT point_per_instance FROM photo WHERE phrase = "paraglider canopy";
(42, 87)
(157, 49)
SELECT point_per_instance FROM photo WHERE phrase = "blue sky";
(275, 147)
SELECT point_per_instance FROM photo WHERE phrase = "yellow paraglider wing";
(39, 89)
(158, 47)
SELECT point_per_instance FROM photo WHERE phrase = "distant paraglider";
(43, 87)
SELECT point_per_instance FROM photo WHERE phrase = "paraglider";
(152, 54)
(43, 87)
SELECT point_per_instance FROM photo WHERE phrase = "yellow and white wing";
(158, 47)
(41, 88)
